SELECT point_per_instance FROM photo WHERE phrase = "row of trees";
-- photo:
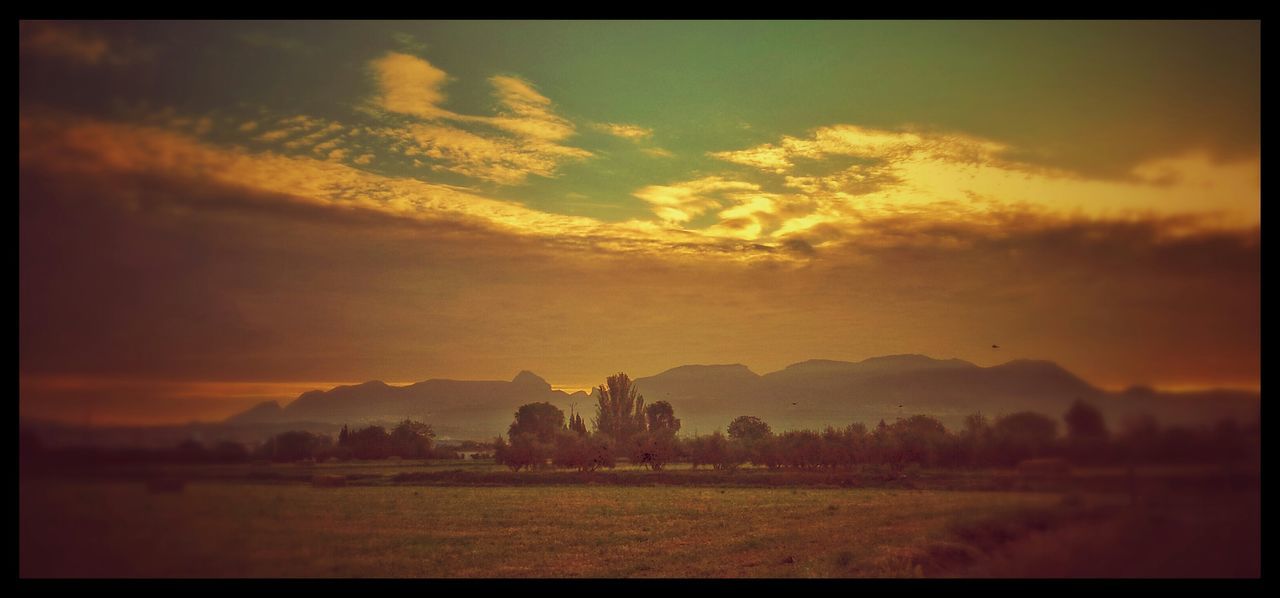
(622, 427)
(625, 428)
(409, 440)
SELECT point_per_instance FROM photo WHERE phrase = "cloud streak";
(413, 86)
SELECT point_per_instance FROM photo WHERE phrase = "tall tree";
(620, 412)
(412, 439)
(542, 420)
(662, 418)
(576, 425)
(748, 428)
(1085, 422)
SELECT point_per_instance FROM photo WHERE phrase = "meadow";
(227, 526)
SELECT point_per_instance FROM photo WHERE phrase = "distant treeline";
(408, 440)
(624, 428)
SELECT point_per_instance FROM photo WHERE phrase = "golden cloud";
(411, 86)
(624, 131)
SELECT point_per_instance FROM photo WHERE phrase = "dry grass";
(213, 529)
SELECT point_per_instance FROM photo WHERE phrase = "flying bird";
(995, 346)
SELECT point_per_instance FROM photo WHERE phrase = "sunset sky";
(214, 214)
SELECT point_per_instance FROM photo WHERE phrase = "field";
(224, 525)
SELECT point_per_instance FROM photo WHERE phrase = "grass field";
(224, 524)
(119, 529)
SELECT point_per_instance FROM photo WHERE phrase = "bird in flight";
(995, 346)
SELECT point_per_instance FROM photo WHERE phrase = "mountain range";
(810, 394)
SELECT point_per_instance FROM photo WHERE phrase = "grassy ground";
(222, 529)
(487, 473)
(475, 519)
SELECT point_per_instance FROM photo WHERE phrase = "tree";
(748, 428)
(801, 449)
(1086, 432)
(1024, 435)
(716, 450)
(576, 425)
(524, 451)
(230, 452)
(1084, 422)
(412, 439)
(653, 448)
(542, 420)
(620, 412)
(372, 442)
(921, 439)
(977, 440)
(751, 439)
(661, 416)
(295, 445)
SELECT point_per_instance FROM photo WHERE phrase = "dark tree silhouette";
(1024, 435)
(542, 420)
(372, 442)
(412, 439)
(748, 428)
(662, 417)
(576, 425)
(1085, 422)
(620, 412)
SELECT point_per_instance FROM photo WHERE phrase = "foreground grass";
(71, 528)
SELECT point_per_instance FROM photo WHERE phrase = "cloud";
(847, 173)
(141, 269)
(681, 202)
(657, 152)
(89, 148)
(526, 112)
(77, 43)
(862, 142)
(497, 159)
(412, 86)
(625, 131)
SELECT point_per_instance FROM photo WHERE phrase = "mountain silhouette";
(811, 394)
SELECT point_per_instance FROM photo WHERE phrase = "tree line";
(625, 428)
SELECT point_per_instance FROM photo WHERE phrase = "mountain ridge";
(811, 393)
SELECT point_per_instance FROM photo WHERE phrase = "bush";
(524, 452)
(654, 449)
(294, 445)
(716, 450)
(584, 453)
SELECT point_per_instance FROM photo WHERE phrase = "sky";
(212, 214)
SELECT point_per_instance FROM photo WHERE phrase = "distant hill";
(818, 393)
(455, 408)
(809, 394)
